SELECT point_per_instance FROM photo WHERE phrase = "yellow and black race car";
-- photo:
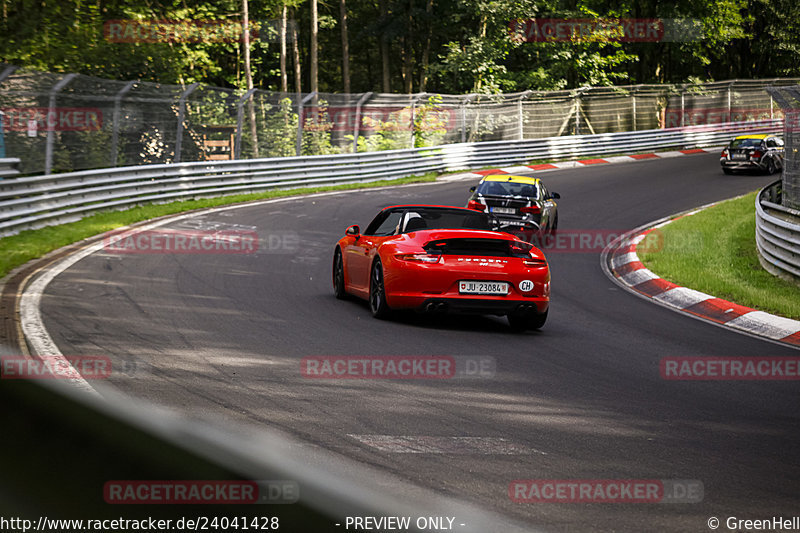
(522, 205)
(762, 152)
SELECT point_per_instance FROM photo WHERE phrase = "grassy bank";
(714, 251)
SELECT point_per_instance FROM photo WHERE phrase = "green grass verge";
(17, 250)
(714, 251)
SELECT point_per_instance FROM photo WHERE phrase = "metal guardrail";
(777, 234)
(31, 202)
(9, 167)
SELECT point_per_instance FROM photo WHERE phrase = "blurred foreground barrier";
(73, 456)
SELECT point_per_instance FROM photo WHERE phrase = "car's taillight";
(521, 249)
(476, 205)
(534, 262)
(724, 153)
(756, 154)
(421, 258)
(533, 210)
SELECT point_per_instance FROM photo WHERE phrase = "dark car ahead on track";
(442, 259)
(760, 152)
(523, 205)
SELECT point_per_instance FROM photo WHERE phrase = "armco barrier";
(36, 201)
(777, 234)
(9, 167)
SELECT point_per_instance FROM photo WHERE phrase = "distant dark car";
(762, 152)
(522, 205)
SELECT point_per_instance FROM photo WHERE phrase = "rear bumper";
(414, 286)
(741, 165)
(484, 307)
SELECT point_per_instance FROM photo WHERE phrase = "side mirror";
(472, 189)
(353, 230)
(555, 195)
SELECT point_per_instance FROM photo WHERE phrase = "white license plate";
(483, 287)
(504, 210)
(740, 156)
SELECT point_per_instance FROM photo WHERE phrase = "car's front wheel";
(771, 168)
(377, 291)
(338, 275)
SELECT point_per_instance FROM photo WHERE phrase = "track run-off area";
(223, 335)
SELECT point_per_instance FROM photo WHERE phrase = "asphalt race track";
(582, 399)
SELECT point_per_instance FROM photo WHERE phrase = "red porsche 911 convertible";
(442, 259)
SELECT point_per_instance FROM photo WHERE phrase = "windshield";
(419, 218)
(745, 143)
(509, 188)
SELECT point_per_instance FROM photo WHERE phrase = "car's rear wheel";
(523, 322)
(338, 275)
(377, 291)
(727, 171)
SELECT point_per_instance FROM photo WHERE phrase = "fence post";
(309, 96)
(237, 150)
(181, 113)
(357, 125)
(413, 107)
(7, 72)
(730, 111)
(464, 103)
(51, 106)
(633, 103)
(578, 113)
(522, 97)
(115, 133)
(683, 107)
(3, 75)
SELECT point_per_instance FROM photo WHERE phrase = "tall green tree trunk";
(314, 49)
(282, 37)
(426, 52)
(248, 74)
(345, 47)
(386, 73)
(298, 73)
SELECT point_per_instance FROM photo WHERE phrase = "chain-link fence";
(788, 98)
(57, 122)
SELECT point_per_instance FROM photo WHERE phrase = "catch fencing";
(67, 122)
(30, 202)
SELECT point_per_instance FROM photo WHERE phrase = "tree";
(248, 74)
(314, 60)
(345, 47)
